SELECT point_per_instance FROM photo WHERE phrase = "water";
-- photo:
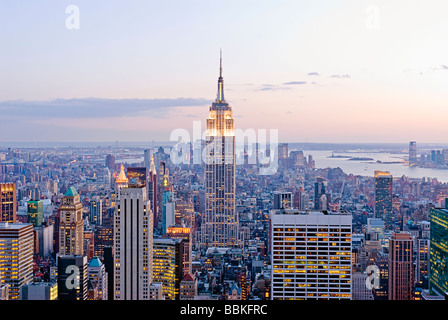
(367, 167)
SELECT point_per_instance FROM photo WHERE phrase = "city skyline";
(364, 72)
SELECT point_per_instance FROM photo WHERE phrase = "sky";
(316, 71)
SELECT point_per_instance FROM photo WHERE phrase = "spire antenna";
(220, 63)
(220, 97)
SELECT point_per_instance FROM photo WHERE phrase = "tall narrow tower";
(71, 233)
(133, 237)
(220, 223)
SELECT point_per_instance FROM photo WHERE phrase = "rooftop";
(71, 192)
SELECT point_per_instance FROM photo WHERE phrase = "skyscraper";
(147, 158)
(96, 211)
(220, 220)
(412, 153)
(72, 277)
(169, 265)
(16, 256)
(35, 209)
(71, 224)
(438, 250)
(282, 200)
(110, 162)
(311, 255)
(383, 197)
(96, 274)
(319, 191)
(152, 190)
(8, 202)
(133, 243)
(401, 269)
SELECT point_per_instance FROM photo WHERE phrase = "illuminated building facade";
(71, 224)
(133, 243)
(383, 197)
(168, 265)
(185, 234)
(16, 256)
(220, 220)
(104, 237)
(120, 182)
(438, 281)
(8, 202)
(311, 255)
(401, 268)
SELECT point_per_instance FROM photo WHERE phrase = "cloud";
(313, 74)
(295, 83)
(270, 87)
(95, 107)
(340, 76)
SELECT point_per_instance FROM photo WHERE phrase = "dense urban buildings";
(128, 222)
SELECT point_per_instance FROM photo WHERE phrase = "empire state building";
(220, 222)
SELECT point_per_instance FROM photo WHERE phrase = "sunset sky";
(318, 71)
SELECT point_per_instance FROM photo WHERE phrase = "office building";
(97, 276)
(311, 255)
(168, 210)
(16, 256)
(188, 287)
(320, 197)
(282, 200)
(71, 224)
(39, 291)
(104, 237)
(412, 153)
(8, 202)
(185, 234)
(220, 220)
(438, 283)
(35, 210)
(401, 269)
(96, 211)
(45, 236)
(133, 243)
(110, 162)
(383, 197)
(168, 265)
(152, 191)
(72, 277)
(120, 182)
